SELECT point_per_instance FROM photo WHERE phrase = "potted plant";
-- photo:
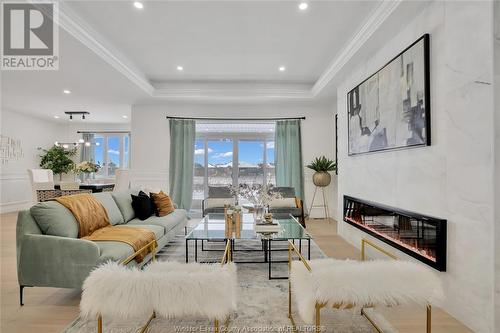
(58, 159)
(322, 166)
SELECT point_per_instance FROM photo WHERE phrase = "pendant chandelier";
(80, 142)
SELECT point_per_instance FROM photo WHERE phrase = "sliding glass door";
(220, 161)
(215, 159)
(251, 162)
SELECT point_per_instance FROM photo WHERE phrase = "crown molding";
(196, 94)
(79, 29)
(374, 21)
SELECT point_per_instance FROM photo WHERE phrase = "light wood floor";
(52, 309)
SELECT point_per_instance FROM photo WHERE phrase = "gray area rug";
(262, 304)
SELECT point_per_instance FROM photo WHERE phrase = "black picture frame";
(353, 104)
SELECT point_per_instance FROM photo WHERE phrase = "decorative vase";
(322, 178)
(87, 177)
(258, 213)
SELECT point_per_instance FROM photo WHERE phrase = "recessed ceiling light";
(66, 91)
(282, 68)
(81, 141)
(124, 116)
(303, 5)
(138, 5)
(57, 117)
(180, 68)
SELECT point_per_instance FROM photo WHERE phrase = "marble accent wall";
(453, 178)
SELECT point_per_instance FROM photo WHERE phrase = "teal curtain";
(288, 156)
(182, 136)
(87, 152)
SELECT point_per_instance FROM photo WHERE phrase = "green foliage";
(58, 159)
(322, 164)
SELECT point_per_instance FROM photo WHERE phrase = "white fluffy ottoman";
(167, 289)
(348, 283)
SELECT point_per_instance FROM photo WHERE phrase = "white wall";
(496, 84)
(32, 132)
(150, 132)
(453, 178)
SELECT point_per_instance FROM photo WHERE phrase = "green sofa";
(50, 254)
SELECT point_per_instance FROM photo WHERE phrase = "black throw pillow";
(143, 206)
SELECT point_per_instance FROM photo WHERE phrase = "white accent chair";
(122, 180)
(114, 291)
(41, 179)
(344, 284)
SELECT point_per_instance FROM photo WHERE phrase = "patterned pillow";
(164, 205)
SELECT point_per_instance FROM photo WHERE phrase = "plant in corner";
(58, 160)
(322, 166)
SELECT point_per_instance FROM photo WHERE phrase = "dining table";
(94, 187)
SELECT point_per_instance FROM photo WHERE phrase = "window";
(231, 154)
(111, 151)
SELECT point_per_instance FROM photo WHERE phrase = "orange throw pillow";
(164, 204)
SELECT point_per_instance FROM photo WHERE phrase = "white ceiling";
(113, 55)
(95, 87)
(227, 40)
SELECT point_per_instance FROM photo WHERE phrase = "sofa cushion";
(283, 203)
(159, 231)
(124, 202)
(115, 251)
(294, 211)
(55, 219)
(214, 210)
(168, 222)
(114, 214)
(218, 202)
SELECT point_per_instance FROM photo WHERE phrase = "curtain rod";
(92, 132)
(238, 119)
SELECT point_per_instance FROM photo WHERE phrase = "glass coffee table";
(213, 228)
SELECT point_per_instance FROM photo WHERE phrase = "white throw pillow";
(218, 202)
(283, 203)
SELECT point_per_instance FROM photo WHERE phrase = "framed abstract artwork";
(391, 109)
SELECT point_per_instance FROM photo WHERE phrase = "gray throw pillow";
(55, 219)
(114, 213)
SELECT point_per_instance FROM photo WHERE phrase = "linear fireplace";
(419, 236)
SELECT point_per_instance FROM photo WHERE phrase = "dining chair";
(40, 179)
(69, 186)
(122, 180)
